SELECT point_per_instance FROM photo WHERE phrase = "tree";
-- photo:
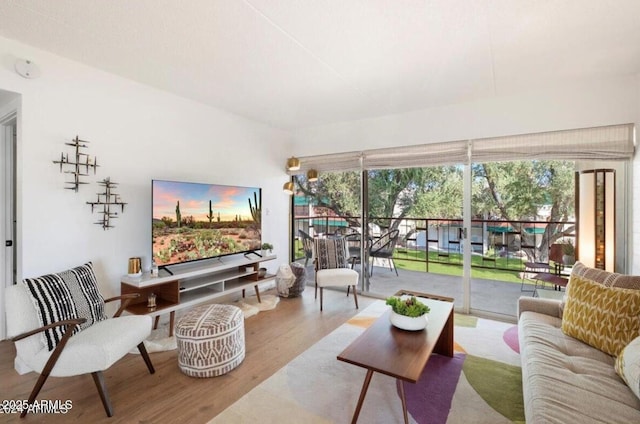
(442, 197)
(393, 194)
(511, 191)
(337, 191)
(514, 191)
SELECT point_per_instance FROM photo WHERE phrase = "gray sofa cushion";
(567, 381)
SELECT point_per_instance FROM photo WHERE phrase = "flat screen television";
(196, 221)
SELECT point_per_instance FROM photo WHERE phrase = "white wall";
(137, 133)
(577, 105)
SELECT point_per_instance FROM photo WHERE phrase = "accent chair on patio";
(354, 244)
(307, 245)
(383, 248)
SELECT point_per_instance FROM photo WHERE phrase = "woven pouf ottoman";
(210, 340)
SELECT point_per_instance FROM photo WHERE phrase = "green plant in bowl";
(408, 306)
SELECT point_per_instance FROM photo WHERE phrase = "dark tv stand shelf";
(193, 284)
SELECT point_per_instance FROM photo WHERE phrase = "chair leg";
(394, 266)
(321, 299)
(36, 389)
(51, 362)
(98, 378)
(355, 296)
(143, 352)
(348, 288)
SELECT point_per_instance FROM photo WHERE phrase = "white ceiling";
(300, 63)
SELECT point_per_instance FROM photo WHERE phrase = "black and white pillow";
(331, 253)
(66, 295)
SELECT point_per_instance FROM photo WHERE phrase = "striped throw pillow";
(609, 279)
(606, 318)
(331, 253)
(66, 295)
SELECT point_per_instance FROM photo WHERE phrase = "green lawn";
(415, 260)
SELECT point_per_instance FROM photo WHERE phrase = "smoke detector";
(27, 69)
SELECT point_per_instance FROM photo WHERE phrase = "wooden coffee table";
(399, 353)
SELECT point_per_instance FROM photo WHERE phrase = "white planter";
(408, 323)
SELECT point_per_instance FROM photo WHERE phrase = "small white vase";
(408, 323)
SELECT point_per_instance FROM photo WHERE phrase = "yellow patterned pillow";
(606, 318)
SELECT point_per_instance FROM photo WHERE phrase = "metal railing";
(495, 244)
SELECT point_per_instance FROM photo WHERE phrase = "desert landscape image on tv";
(193, 221)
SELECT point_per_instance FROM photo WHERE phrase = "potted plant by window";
(568, 253)
(408, 313)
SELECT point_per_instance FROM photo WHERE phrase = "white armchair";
(92, 350)
(330, 258)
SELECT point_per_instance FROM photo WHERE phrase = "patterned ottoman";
(210, 340)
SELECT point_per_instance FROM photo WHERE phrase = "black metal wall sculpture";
(79, 165)
(107, 200)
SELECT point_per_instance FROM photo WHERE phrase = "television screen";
(194, 221)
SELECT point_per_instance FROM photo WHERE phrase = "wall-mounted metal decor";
(77, 166)
(107, 200)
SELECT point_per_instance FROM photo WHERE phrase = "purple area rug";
(510, 337)
(429, 400)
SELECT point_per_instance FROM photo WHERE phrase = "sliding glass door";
(479, 212)
(522, 218)
(416, 230)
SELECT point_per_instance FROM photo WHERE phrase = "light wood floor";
(273, 338)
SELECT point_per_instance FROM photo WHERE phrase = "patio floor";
(488, 296)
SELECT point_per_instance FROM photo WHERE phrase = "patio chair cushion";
(603, 317)
(628, 366)
(69, 294)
